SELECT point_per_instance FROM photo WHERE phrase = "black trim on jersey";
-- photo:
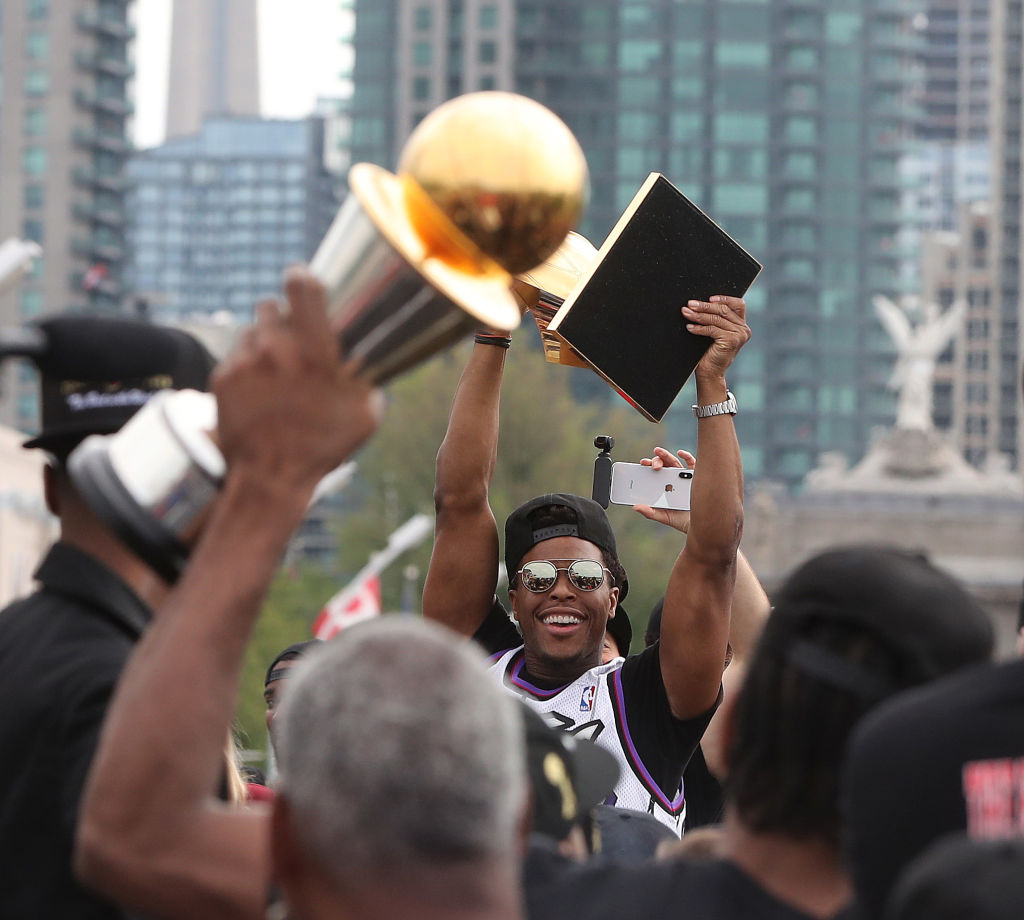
(654, 741)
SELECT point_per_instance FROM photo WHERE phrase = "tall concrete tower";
(214, 63)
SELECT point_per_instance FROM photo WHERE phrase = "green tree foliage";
(546, 445)
(292, 603)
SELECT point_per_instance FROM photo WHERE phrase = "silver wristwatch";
(720, 408)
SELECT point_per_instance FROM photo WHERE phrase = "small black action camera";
(602, 489)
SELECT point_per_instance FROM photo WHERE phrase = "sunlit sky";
(301, 56)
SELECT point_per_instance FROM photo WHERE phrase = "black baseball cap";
(586, 520)
(568, 775)
(920, 612)
(293, 651)
(628, 836)
(97, 371)
(621, 630)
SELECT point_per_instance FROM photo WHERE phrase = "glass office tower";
(784, 120)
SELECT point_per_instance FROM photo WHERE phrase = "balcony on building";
(107, 216)
(105, 25)
(90, 178)
(104, 63)
(112, 143)
(113, 105)
(98, 251)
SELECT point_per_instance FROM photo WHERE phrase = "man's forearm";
(716, 500)
(175, 702)
(466, 458)
(750, 609)
(459, 587)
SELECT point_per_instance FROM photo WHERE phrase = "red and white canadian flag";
(352, 604)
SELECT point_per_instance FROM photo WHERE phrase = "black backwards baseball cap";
(958, 878)
(96, 372)
(621, 630)
(586, 520)
(568, 775)
(921, 613)
(293, 651)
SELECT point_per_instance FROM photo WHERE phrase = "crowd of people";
(846, 749)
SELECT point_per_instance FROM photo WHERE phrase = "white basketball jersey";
(591, 707)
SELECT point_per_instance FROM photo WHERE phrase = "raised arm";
(151, 835)
(463, 571)
(696, 615)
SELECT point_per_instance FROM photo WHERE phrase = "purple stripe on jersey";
(523, 684)
(673, 805)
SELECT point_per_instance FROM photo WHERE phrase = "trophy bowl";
(503, 170)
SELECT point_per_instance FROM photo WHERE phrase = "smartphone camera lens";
(686, 474)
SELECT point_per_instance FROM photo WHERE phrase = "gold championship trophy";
(488, 187)
(546, 287)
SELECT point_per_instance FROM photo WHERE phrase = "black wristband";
(498, 341)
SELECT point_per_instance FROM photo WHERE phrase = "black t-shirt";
(940, 759)
(61, 652)
(702, 890)
(635, 721)
(705, 798)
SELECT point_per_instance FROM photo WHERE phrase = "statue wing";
(939, 333)
(894, 320)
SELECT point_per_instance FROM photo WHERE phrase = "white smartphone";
(636, 484)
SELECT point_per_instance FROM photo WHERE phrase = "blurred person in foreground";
(850, 628)
(402, 793)
(289, 411)
(62, 649)
(962, 879)
(945, 759)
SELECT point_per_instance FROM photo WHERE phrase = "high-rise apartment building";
(216, 216)
(784, 120)
(955, 91)
(1001, 397)
(66, 70)
(950, 162)
(214, 67)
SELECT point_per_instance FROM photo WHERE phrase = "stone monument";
(912, 489)
(912, 457)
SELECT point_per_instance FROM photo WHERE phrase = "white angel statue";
(918, 347)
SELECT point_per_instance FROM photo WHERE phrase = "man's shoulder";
(961, 702)
(556, 887)
(52, 645)
(720, 888)
(707, 888)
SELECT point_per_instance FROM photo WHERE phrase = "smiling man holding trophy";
(208, 493)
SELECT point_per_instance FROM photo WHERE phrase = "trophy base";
(94, 476)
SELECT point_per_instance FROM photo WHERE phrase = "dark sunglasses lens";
(539, 576)
(586, 574)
